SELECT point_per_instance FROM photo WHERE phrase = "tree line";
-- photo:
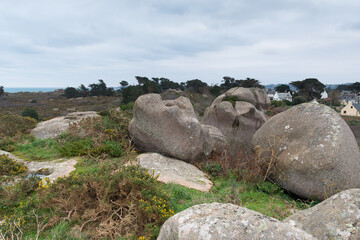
(306, 90)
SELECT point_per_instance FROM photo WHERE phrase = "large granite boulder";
(170, 127)
(170, 170)
(337, 217)
(238, 113)
(226, 221)
(316, 152)
(58, 125)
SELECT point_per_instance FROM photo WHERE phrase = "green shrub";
(33, 101)
(212, 168)
(269, 188)
(11, 125)
(127, 202)
(7, 144)
(298, 100)
(9, 166)
(278, 103)
(127, 106)
(30, 112)
(75, 147)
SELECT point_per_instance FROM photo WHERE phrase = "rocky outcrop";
(337, 217)
(238, 113)
(317, 154)
(226, 221)
(59, 125)
(171, 94)
(170, 127)
(170, 170)
(50, 169)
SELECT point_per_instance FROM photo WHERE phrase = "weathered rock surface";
(335, 218)
(226, 221)
(171, 94)
(50, 169)
(318, 155)
(238, 113)
(169, 127)
(219, 142)
(58, 125)
(171, 170)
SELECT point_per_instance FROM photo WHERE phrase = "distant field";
(53, 104)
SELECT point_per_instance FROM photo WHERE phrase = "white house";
(324, 95)
(351, 109)
(282, 96)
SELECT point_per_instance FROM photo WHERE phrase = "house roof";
(284, 95)
(357, 106)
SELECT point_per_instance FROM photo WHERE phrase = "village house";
(324, 95)
(282, 96)
(351, 109)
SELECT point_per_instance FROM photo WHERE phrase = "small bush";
(7, 144)
(9, 166)
(277, 103)
(298, 100)
(33, 101)
(11, 125)
(212, 168)
(30, 112)
(116, 201)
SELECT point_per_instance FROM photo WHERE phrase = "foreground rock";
(56, 126)
(238, 113)
(171, 170)
(50, 169)
(317, 154)
(169, 127)
(226, 221)
(337, 217)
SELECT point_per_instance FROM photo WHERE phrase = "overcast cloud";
(67, 43)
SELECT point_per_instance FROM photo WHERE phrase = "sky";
(67, 43)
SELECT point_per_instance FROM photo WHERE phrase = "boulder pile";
(171, 128)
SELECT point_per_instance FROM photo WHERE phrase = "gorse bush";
(98, 137)
(30, 112)
(9, 166)
(116, 201)
(11, 125)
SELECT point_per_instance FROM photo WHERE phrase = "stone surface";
(219, 142)
(335, 218)
(171, 170)
(171, 94)
(227, 222)
(51, 169)
(238, 113)
(318, 155)
(58, 125)
(169, 127)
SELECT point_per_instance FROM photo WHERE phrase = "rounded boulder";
(314, 152)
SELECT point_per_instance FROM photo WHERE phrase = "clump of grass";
(233, 100)
(116, 201)
(38, 149)
(11, 167)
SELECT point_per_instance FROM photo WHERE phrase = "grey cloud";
(68, 42)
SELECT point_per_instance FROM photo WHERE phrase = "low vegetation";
(105, 199)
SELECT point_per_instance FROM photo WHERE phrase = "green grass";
(274, 203)
(38, 150)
